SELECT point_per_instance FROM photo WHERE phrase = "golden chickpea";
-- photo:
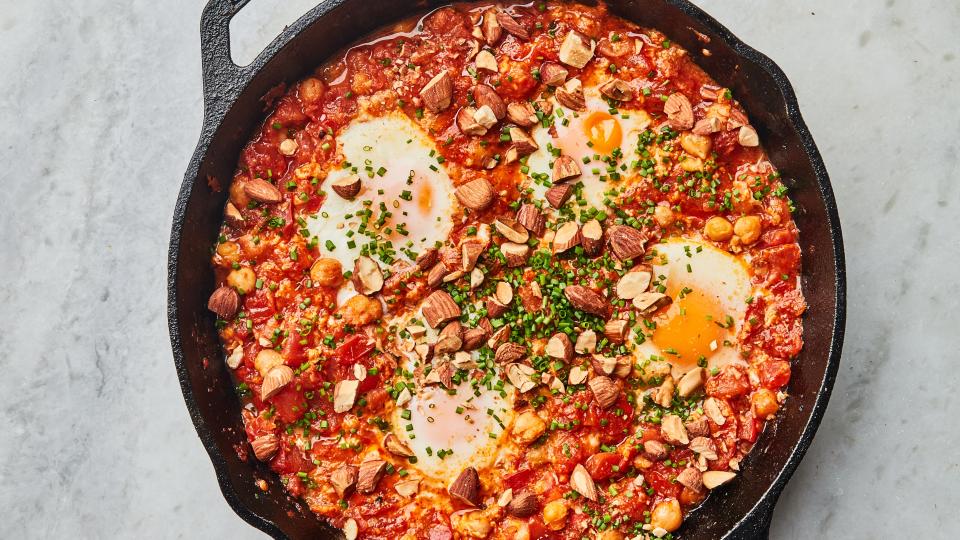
(516, 529)
(528, 427)
(663, 215)
(555, 514)
(697, 145)
(718, 229)
(473, 525)
(764, 403)
(311, 90)
(229, 251)
(360, 310)
(610, 535)
(748, 229)
(691, 164)
(243, 279)
(266, 360)
(326, 272)
(666, 515)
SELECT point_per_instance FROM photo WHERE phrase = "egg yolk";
(603, 131)
(425, 197)
(688, 326)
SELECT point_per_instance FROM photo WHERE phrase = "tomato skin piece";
(600, 465)
(774, 374)
(519, 479)
(288, 461)
(658, 477)
(290, 404)
(260, 306)
(730, 382)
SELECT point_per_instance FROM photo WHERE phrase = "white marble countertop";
(100, 108)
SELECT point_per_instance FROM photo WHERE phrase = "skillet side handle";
(221, 77)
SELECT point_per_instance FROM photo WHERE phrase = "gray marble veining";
(100, 108)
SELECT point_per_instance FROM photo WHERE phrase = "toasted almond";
(626, 242)
(346, 188)
(691, 382)
(428, 258)
(369, 474)
(604, 390)
(436, 274)
(530, 217)
(559, 347)
(616, 330)
(367, 276)
(577, 375)
(232, 215)
(485, 117)
(582, 483)
(439, 308)
(523, 504)
(491, 28)
(515, 254)
(570, 95)
(485, 95)
(344, 395)
(476, 194)
(603, 364)
(494, 308)
(453, 329)
(576, 49)
(521, 376)
(438, 92)
(470, 251)
(712, 409)
(663, 395)
(504, 293)
(224, 302)
(408, 488)
(747, 136)
(587, 300)
(512, 26)
(708, 125)
(397, 447)
(531, 297)
(586, 342)
(632, 284)
(404, 397)
(617, 89)
(567, 236)
(466, 487)
(704, 446)
(235, 358)
(359, 372)
(558, 194)
(441, 373)
(486, 60)
(553, 74)
(476, 278)
(467, 122)
(447, 344)
(265, 446)
(672, 429)
(648, 302)
(262, 191)
(509, 352)
(679, 111)
(344, 480)
(474, 338)
(655, 450)
(715, 479)
(564, 168)
(697, 426)
(736, 119)
(276, 379)
(522, 142)
(499, 337)
(350, 529)
(521, 113)
(266, 360)
(591, 237)
(511, 230)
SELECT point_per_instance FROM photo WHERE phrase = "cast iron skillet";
(233, 109)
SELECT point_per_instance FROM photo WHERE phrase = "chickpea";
(243, 279)
(610, 535)
(748, 229)
(663, 215)
(697, 145)
(718, 229)
(764, 403)
(326, 272)
(528, 427)
(473, 525)
(666, 515)
(266, 360)
(691, 164)
(516, 529)
(311, 90)
(555, 514)
(229, 251)
(360, 310)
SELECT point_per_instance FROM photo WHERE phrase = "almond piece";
(224, 302)
(691, 381)
(626, 242)
(485, 117)
(350, 529)
(632, 284)
(591, 237)
(586, 342)
(509, 352)
(576, 49)
(504, 293)
(582, 483)
(512, 26)
(553, 74)
(476, 278)
(604, 390)
(570, 95)
(435, 275)
(511, 230)
(344, 480)
(522, 142)
(494, 308)
(715, 479)
(232, 215)
(466, 487)
(587, 300)
(690, 477)
(567, 236)
(276, 379)
(265, 446)
(367, 276)
(395, 446)
(515, 254)
(408, 488)
(486, 60)
(655, 450)
(559, 347)
(441, 373)
(708, 125)
(558, 194)
(523, 505)
(648, 302)
(564, 168)
(262, 191)
(697, 427)
(438, 92)
(439, 308)
(736, 119)
(474, 338)
(616, 330)
(747, 136)
(467, 122)
(346, 188)
(672, 430)
(617, 89)
(578, 375)
(712, 409)
(476, 194)
(485, 95)
(499, 337)
(369, 475)
(679, 111)
(521, 113)
(530, 217)
(492, 31)
(447, 344)
(344, 395)
(428, 258)
(470, 252)
(521, 377)
(266, 360)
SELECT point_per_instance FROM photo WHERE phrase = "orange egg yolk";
(603, 131)
(686, 329)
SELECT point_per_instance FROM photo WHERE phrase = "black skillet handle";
(221, 77)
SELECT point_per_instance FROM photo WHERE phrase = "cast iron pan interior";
(233, 109)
